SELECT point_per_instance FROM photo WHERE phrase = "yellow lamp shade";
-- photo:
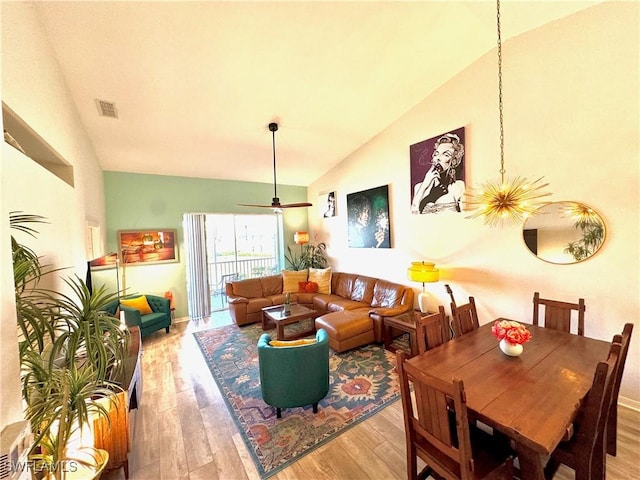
(423, 272)
(301, 238)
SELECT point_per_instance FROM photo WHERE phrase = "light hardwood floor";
(184, 431)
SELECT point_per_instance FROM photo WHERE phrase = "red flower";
(513, 332)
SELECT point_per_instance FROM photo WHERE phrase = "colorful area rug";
(362, 382)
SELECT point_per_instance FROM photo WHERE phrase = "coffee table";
(298, 312)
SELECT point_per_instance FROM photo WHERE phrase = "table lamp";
(424, 272)
(300, 238)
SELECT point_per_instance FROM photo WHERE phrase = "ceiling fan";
(275, 201)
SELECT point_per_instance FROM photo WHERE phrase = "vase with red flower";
(511, 349)
(511, 335)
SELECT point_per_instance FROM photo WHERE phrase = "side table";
(405, 322)
(115, 434)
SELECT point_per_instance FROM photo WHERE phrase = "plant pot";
(82, 464)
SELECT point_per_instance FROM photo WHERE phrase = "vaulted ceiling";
(195, 84)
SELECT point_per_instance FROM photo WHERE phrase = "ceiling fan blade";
(274, 205)
(294, 205)
(253, 205)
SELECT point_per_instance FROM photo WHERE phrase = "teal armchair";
(294, 376)
(160, 317)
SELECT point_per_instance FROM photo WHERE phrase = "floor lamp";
(423, 272)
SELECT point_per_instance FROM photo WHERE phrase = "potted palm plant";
(311, 256)
(71, 351)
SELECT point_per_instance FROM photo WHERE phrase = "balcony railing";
(222, 271)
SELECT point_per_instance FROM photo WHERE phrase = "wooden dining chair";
(558, 314)
(612, 423)
(432, 330)
(585, 451)
(465, 317)
(450, 449)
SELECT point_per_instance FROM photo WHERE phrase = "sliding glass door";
(238, 247)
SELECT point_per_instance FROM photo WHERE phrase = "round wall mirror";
(564, 232)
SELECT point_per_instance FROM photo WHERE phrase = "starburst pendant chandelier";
(516, 199)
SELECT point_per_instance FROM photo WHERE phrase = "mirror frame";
(578, 217)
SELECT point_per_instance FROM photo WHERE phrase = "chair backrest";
(557, 314)
(612, 424)
(591, 422)
(432, 330)
(447, 445)
(294, 375)
(450, 292)
(438, 430)
(465, 317)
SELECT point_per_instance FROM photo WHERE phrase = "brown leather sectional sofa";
(353, 313)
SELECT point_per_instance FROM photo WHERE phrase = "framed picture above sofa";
(148, 246)
(368, 218)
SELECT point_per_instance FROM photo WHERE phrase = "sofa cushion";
(256, 305)
(147, 321)
(139, 303)
(271, 285)
(344, 285)
(305, 298)
(363, 289)
(291, 278)
(321, 301)
(249, 288)
(387, 294)
(344, 304)
(322, 276)
(280, 298)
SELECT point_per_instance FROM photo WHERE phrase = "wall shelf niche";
(24, 138)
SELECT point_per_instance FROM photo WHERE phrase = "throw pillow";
(291, 279)
(139, 303)
(307, 287)
(321, 276)
(292, 343)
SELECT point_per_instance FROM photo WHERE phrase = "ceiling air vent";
(107, 109)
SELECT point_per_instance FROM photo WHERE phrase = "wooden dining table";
(532, 398)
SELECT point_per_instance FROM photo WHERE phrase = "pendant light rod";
(275, 201)
(273, 127)
(500, 105)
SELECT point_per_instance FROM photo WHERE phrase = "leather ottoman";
(347, 329)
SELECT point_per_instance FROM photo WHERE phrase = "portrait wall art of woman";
(437, 173)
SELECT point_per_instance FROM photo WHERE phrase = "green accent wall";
(142, 201)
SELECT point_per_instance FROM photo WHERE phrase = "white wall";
(571, 114)
(33, 87)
